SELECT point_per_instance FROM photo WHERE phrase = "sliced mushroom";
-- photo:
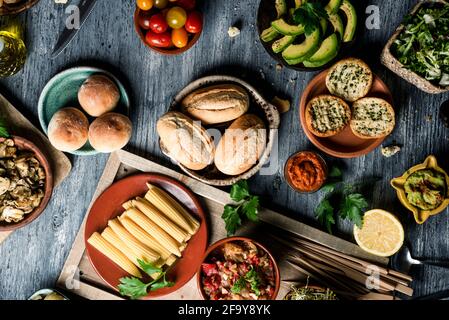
(4, 185)
(10, 214)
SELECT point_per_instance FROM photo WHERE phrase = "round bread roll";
(110, 132)
(98, 95)
(68, 129)
(372, 118)
(327, 115)
(349, 79)
(241, 146)
(185, 141)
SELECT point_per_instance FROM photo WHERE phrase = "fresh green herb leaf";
(4, 132)
(251, 209)
(254, 280)
(325, 214)
(161, 283)
(133, 287)
(238, 285)
(352, 208)
(148, 268)
(335, 173)
(240, 191)
(247, 206)
(232, 219)
(309, 15)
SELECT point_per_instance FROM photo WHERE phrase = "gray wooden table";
(32, 257)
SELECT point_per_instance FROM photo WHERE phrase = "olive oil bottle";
(12, 48)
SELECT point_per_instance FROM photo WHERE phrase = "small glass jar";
(289, 164)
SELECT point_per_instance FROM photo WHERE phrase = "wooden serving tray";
(79, 277)
(22, 127)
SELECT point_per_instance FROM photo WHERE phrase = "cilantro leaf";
(4, 133)
(231, 218)
(329, 187)
(133, 287)
(238, 285)
(161, 284)
(250, 208)
(352, 208)
(325, 214)
(254, 280)
(148, 268)
(240, 191)
(309, 15)
(335, 173)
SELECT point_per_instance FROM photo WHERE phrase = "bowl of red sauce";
(238, 268)
(306, 171)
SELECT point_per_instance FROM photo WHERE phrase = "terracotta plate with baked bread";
(109, 205)
(345, 144)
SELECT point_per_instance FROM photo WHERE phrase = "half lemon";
(382, 233)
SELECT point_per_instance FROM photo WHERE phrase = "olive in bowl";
(168, 27)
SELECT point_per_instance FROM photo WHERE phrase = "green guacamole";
(426, 189)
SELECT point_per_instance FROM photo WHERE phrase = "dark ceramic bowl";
(25, 145)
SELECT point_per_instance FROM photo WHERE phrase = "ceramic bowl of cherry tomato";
(168, 26)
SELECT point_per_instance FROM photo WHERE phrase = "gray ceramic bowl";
(62, 91)
(258, 105)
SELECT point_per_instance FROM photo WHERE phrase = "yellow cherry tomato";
(145, 4)
(179, 37)
(176, 17)
(160, 4)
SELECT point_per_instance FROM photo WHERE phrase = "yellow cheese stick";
(142, 251)
(154, 230)
(161, 220)
(99, 243)
(146, 239)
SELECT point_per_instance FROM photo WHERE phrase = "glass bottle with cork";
(12, 47)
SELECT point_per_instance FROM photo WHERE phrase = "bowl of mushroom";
(26, 183)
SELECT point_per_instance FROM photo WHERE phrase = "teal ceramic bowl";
(62, 91)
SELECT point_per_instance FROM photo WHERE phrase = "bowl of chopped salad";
(238, 268)
(418, 50)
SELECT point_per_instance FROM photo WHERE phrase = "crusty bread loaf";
(110, 132)
(98, 95)
(349, 79)
(216, 104)
(241, 146)
(67, 130)
(185, 141)
(327, 115)
(372, 118)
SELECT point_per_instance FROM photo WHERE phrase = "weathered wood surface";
(32, 258)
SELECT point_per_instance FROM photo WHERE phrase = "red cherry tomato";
(158, 23)
(186, 4)
(179, 37)
(160, 40)
(144, 20)
(194, 22)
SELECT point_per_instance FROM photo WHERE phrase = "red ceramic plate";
(345, 144)
(109, 205)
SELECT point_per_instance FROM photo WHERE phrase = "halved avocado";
(328, 51)
(281, 7)
(297, 53)
(323, 23)
(269, 34)
(287, 29)
(351, 25)
(337, 23)
(333, 6)
(281, 44)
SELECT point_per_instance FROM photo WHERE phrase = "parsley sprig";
(251, 277)
(134, 288)
(351, 205)
(309, 15)
(4, 132)
(246, 205)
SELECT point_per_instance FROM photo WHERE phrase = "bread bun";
(241, 146)
(327, 115)
(98, 95)
(185, 141)
(372, 118)
(110, 132)
(68, 129)
(349, 79)
(216, 104)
